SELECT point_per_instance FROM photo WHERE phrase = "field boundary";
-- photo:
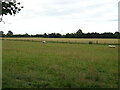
(64, 41)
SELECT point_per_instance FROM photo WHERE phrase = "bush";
(90, 42)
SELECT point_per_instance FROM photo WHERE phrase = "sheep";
(43, 41)
(111, 46)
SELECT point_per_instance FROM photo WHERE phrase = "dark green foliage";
(90, 42)
(54, 35)
(45, 35)
(78, 34)
(10, 33)
(9, 7)
(117, 34)
(1, 33)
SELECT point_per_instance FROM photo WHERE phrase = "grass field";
(69, 40)
(59, 65)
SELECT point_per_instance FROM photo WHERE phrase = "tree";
(79, 33)
(9, 7)
(26, 35)
(45, 35)
(54, 35)
(1, 33)
(70, 35)
(10, 33)
(117, 34)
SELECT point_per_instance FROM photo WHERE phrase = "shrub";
(90, 42)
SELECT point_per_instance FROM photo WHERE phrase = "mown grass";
(59, 65)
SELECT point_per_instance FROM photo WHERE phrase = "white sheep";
(43, 41)
(111, 46)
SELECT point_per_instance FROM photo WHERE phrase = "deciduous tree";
(10, 33)
(10, 7)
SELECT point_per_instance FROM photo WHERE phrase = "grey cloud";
(113, 20)
(69, 8)
(102, 10)
(60, 11)
(29, 13)
(62, 8)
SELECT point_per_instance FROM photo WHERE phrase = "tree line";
(12, 7)
(78, 34)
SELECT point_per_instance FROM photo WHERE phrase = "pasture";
(68, 40)
(59, 65)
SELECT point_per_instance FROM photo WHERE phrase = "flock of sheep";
(110, 46)
(44, 42)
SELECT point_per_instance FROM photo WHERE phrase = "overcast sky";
(64, 16)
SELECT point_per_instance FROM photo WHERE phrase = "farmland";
(29, 64)
(68, 40)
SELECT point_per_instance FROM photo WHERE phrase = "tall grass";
(69, 40)
(59, 65)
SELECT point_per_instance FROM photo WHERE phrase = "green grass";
(59, 65)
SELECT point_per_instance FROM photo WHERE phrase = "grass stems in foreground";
(59, 65)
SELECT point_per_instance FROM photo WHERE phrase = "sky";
(63, 16)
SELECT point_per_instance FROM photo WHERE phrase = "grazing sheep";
(43, 41)
(111, 46)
